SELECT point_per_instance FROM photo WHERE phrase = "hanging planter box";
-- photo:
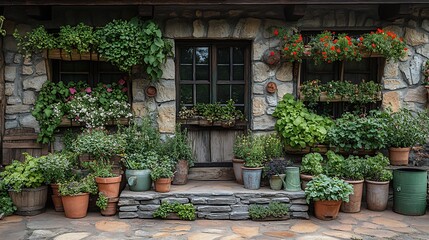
(73, 56)
(323, 97)
(67, 122)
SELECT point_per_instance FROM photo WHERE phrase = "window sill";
(202, 123)
(67, 122)
(323, 97)
(60, 54)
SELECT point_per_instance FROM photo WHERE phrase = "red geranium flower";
(276, 32)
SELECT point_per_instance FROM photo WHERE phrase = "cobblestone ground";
(363, 225)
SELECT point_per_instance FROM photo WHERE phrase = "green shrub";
(312, 164)
(184, 211)
(323, 187)
(274, 209)
(334, 165)
(375, 168)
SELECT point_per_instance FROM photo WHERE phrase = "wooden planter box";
(67, 122)
(323, 97)
(206, 123)
(73, 56)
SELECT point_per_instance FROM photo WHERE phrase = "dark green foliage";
(334, 165)
(323, 187)
(35, 41)
(375, 168)
(102, 201)
(312, 164)
(184, 211)
(353, 168)
(178, 148)
(275, 167)
(6, 204)
(75, 187)
(274, 209)
(80, 37)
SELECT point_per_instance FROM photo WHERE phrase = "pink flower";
(109, 90)
(88, 90)
(72, 90)
(70, 98)
(124, 89)
(121, 82)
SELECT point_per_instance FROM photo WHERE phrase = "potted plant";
(241, 148)
(56, 168)
(353, 173)
(6, 205)
(382, 42)
(334, 165)
(275, 170)
(107, 205)
(75, 196)
(405, 130)
(297, 126)
(377, 179)
(327, 194)
(253, 165)
(25, 183)
(138, 169)
(291, 44)
(311, 166)
(178, 149)
(102, 146)
(161, 174)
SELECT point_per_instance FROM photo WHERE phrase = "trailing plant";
(102, 201)
(323, 188)
(297, 126)
(27, 174)
(352, 132)
(276, 167)
(6, 205)
(312, 164)
(35, 41)
(291, 43)
(273, 209)
(2, 31)
(375, 168)
(407, 129)
(334, 165)
(56, 167)
(80, 37)
(164, 168)
(184, 211)
(386, 43)
(178, 148)
(76, 187)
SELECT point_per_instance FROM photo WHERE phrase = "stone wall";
(217, 205)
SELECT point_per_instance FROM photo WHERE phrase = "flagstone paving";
(364, 225)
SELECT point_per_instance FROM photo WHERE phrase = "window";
(213, 72)
(92, 72)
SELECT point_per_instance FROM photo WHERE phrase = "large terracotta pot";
(111, 207)
(377, 195)
(76, 206)
(109, 186)
(399, 156)
(56, 198)
(238, 172)
(181, 175)
(353, 206)
(30, 201)
(163, 185)
(326, 210)
(304, 180)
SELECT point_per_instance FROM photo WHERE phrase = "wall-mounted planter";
(151, 91)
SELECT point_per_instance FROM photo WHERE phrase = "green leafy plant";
(80, 37)
(312, 164)
(256, 157)
(297, 126)
(353, 169)
(6, 204)
(164, 168)
(2, 31)
(226, 113)
(334, 165)
(75, 187)
(242, 146)
(35, 41)
(273, 146)
(291, 43)
(141, 136)
(386, 43)
(323, 187)
(273, 209)
(101, 169)
(102, 201)
(140, 161)
(407, 129)
(375, 168)
(184, 211)
(351, 132)
(27, 174)
(178, 148)
(56, 167)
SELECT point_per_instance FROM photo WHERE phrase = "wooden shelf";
(66, 122)
(73, 56)
(202, 123)
(323, 97)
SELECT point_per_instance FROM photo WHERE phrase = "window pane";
(324, 78)
(238, 94)
(186, 93)
(75, 66)
(238, 73)
(223, 73)
(186, 55)
(238, 55)
(202, 72)
(106, 67)
(321, 67)
(65, 77)
(361, 66)
(186, 72)
(203, 93)
(202, 55)
(223, 55)
(109, 77)
(223, 93)
(357, 78)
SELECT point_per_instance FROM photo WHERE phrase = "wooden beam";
(294, 12)
(196, 2)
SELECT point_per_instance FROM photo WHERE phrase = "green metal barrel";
(409, 191)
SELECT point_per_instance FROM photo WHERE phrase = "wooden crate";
(17, 141)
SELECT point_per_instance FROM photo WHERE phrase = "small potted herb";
(311, 166)
(107, 205)
(162, 173)
(241, 148)
(327, 194)
(253, 165)
(353, 173)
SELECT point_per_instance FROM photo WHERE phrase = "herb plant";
(273, 209)
(323, 187)
(164, 168)
(334, 165)
(141, 161)
(75, 187)
(178, 148)
(56, 167)
(353, 169)
(80, 37)
(102, 201)
(35, 41)
(184, 211)
(312, 164)
(375, 168)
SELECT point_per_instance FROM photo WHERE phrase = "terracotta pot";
(181, 175)
(56, 198)
(399, 156)
(327, 210)
(238, 172)
(76, 206)
(111, 207)
(305, 179)
(109, 186)
(163, 185)
(377, 195)
(30, 201)
(353, 206)
(151, 91)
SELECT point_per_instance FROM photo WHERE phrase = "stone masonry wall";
(224, 206)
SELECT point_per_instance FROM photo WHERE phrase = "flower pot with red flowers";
(291, 44)
(162, 173)
(327, 194)
(386, 43)
(405, 130)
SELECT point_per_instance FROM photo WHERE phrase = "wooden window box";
(206, 123)
(67, 122)
(323, 97)
(60, 54)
